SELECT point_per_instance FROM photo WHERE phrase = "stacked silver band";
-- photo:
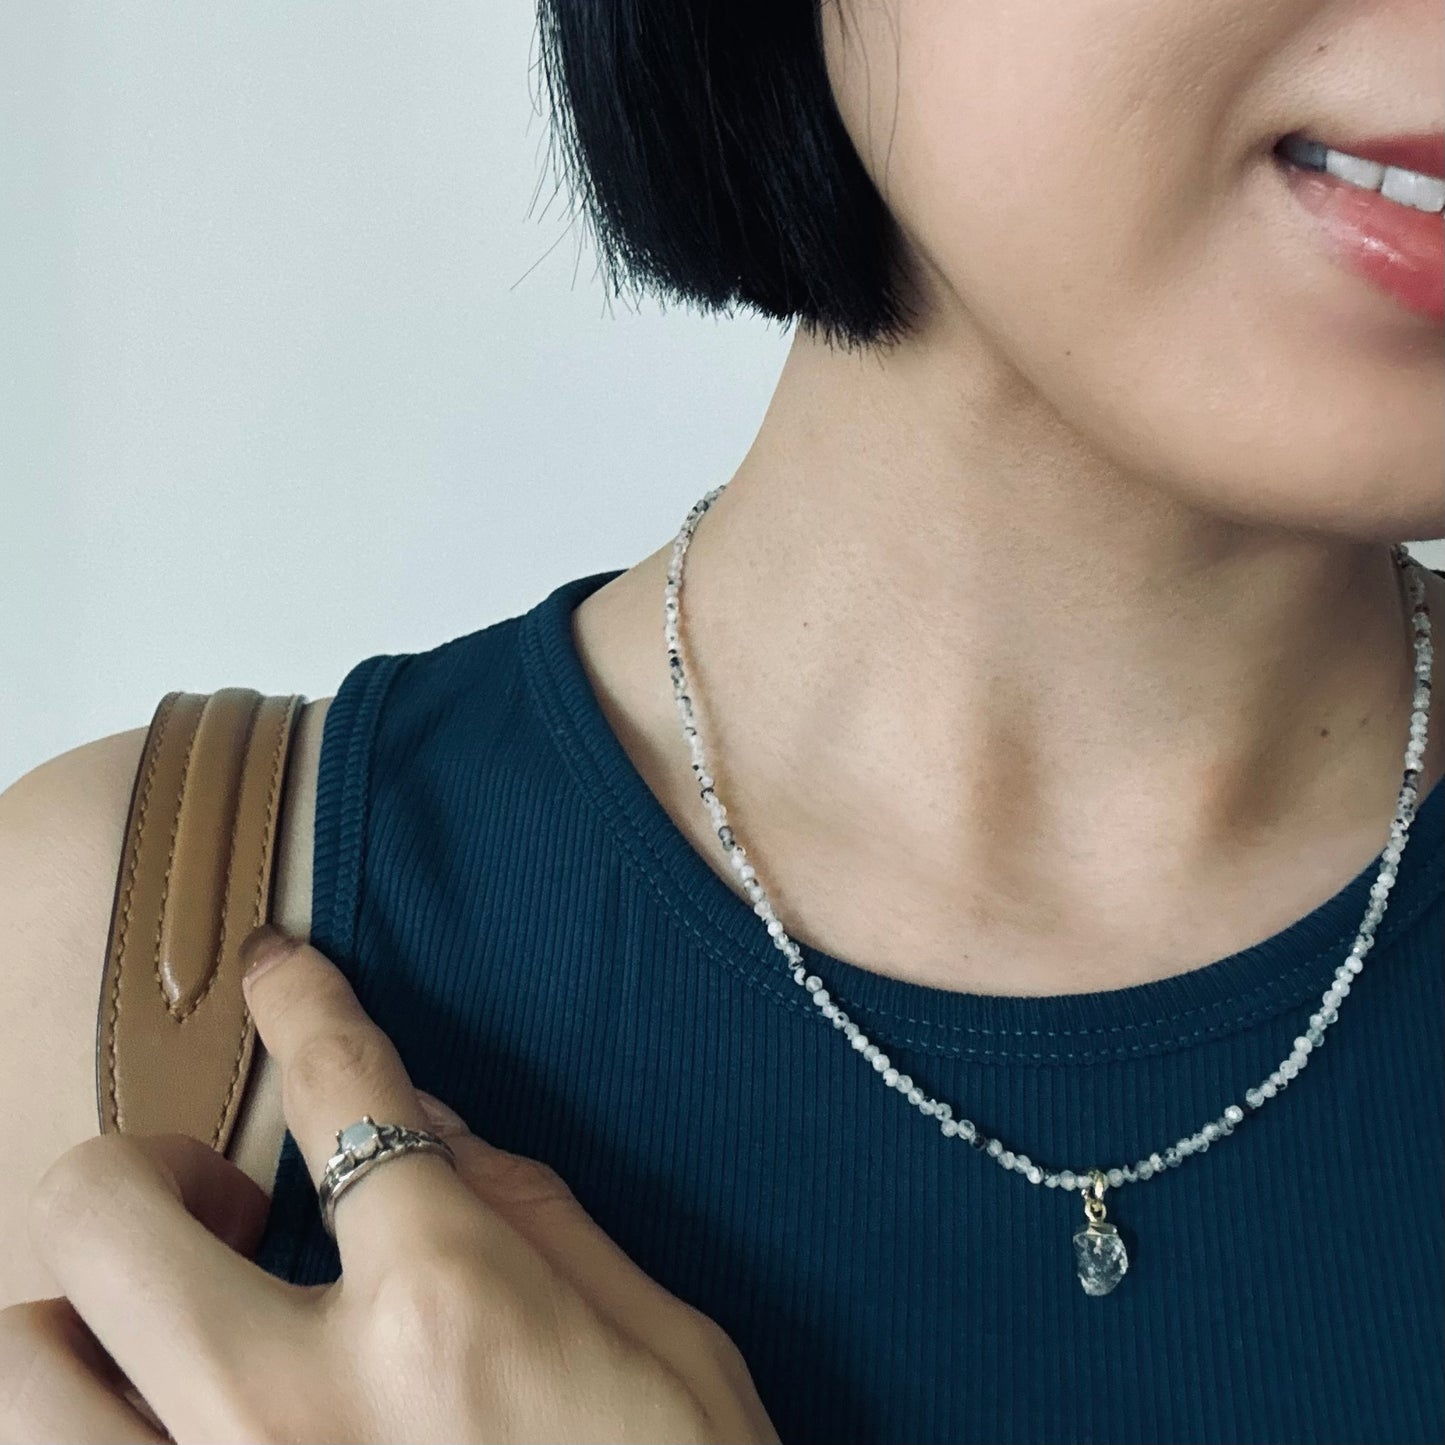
(360, 1147)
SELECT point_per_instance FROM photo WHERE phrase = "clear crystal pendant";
(1098, 1249)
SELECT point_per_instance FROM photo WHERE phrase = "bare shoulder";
(62, 828)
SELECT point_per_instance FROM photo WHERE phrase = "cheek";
(1090, 184)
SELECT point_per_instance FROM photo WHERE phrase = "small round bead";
(1146, 1169)
(995, 1148)
(812, 983)
(1067, 1179)
(915, 1096)
(949, 1128)
(1035, 1174)
(1116, 1177)
(1234, 1113)
(890, 1077)
(1006, 1158)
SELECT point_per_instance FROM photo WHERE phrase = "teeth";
(1410, 188)
(1367, 175)
(1394, 183)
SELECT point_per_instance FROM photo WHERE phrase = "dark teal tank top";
(552, 958)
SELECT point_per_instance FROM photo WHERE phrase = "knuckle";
(516, 1179)
(74, 1185)
(348, 1052)
(711, 1343)
(456, 1312)
(427, 1310)
(710, 1335)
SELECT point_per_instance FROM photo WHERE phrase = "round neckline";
(1228, 995)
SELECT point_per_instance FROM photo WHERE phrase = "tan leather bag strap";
(174, 1040)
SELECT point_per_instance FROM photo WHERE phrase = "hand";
(475, 1303)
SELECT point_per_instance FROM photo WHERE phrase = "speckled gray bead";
(1152, 1165)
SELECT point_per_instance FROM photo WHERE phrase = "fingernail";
(439, 1116)
(261, 948)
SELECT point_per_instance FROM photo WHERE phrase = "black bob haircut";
(704, 143)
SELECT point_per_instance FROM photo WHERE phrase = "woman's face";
(1092, 185)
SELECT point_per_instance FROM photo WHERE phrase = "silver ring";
(360, 1147)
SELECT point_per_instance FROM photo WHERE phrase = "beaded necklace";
(1099, 1253)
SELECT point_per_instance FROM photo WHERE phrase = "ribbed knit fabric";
(552, 958)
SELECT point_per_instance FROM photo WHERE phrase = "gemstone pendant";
(1098, 1250)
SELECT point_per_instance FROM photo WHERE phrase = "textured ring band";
(360, 1147)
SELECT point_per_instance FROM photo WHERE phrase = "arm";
(61, 827)
(61, 830)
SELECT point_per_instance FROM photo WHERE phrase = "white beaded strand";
(965, 1129)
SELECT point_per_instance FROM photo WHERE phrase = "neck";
(971, 692)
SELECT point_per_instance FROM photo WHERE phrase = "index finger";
(142, 1235)
(336, 1066)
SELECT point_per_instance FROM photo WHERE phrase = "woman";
(1044, 707)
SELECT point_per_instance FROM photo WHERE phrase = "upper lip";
(1424, 152)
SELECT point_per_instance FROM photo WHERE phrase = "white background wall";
(301, 358)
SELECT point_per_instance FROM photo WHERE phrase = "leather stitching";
(133, 863)
(182, 1014)
(283, 732)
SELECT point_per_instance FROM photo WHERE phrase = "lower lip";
(1400, 250)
